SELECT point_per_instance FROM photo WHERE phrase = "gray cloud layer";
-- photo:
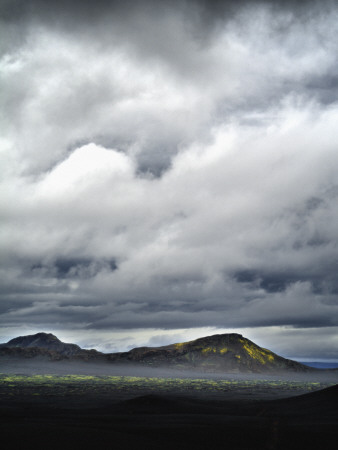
(169, 165)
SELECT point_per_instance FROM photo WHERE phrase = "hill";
(219, 353)
(46, 345)
(228, 353)
(46, 341)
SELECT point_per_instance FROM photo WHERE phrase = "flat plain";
(73, 411)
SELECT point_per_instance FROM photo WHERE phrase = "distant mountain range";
(228, 353)
(322, 365)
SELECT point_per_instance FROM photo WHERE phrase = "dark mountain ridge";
(45, 345)
(44, 340)
(228, 353)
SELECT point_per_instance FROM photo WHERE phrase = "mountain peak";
(43, 334)
(44, 340)
(33, 340)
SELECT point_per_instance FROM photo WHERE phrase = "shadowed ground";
(77, 414)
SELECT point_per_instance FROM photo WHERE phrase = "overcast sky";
(169, 170)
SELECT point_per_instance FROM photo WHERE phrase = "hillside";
(218, 353)
(228, 353)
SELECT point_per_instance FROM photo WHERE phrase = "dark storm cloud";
(268, 282)
(8, 305)
(82, 267)
(323, 279)
(212, 10)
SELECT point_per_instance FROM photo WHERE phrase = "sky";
(169, 171)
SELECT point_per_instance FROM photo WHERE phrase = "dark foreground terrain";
(125, 412)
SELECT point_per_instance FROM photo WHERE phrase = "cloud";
(87, 78)
(221, 237)
(169, 169)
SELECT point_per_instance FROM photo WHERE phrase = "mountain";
(45, 345)
(44, 340)
(218, 353)
(228, 353)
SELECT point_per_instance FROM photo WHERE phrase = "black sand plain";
(132, 408)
